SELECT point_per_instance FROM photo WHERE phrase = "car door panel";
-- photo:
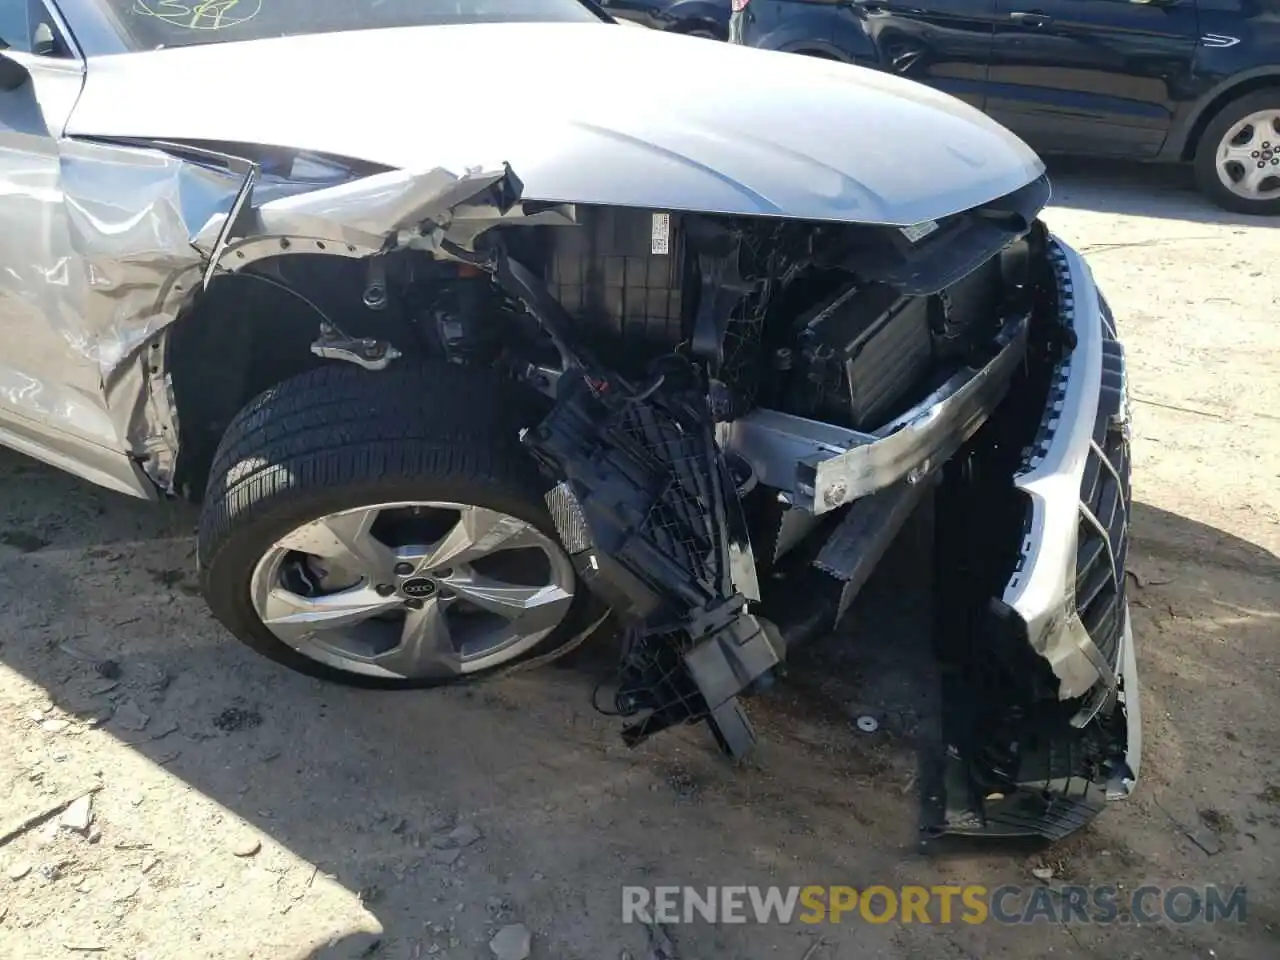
(943, 43)
(95, 255)
(1091, 76)
(43, 376)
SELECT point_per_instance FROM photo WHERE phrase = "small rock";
(50, 871)
(1042, 873)
(103, 686)
(54, 726)
(128, 716)
(108, 669)
(512, 942)
(463, 835)
(79, 815)
(94, 834)
(19, 870)
(446, 857)
(247, 847)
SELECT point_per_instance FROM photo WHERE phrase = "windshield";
(147, 24)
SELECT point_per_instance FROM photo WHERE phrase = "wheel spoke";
(536, 608)
(426, 647)
(1242, 154)
(1254, 177)
(1264, 131)
(347, 539)
(478, 533)
(293, 617)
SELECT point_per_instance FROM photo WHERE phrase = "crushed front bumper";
(1046, 769)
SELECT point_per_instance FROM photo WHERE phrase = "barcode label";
(661, 233)
(918, 231)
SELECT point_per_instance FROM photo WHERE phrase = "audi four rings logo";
(1219, 41)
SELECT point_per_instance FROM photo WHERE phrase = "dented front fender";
(151, 223)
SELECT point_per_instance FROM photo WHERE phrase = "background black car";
(1158, 80)
(699, 18)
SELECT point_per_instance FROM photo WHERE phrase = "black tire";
(1206, 169)
(340, 437)
(701, 29)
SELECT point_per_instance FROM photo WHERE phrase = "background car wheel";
(386, 529)
(1238, 160)
(697, 28)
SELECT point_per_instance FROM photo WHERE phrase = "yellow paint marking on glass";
(199, 14)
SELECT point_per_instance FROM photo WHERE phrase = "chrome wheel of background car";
(413, 590)
(1249, 156)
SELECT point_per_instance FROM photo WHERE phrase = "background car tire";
(342, 437)
(1206, 166)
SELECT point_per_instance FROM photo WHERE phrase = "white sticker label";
(661, 233)
(918, 231)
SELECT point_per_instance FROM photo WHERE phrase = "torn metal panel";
(365, 216)
(132, 214)
(150, 223)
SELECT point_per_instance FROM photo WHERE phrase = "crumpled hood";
(583, 113)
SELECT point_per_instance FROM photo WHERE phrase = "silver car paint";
(106, 242)
(109, 239)
(585, 113)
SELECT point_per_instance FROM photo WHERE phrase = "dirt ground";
(247, 812)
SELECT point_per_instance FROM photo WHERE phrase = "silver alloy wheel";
(1249, 157)
(413, 590)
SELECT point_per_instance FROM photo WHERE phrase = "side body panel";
(703, 16)
(793, 26)
(943, 43)
(1100, 77)
(1239, 51)
(51, 399)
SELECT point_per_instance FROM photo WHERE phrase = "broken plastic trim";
(1048, 770)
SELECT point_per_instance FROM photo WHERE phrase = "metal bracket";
(333, 344)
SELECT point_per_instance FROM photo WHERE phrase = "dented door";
(49, 385)
(97, 255)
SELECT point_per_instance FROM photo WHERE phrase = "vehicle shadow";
(1162, 191)
(354, 792)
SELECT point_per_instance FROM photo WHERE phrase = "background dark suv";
(1157, 80)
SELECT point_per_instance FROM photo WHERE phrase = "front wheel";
(386, 529)
(1237, 162)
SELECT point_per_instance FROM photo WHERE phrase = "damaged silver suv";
(470, 322)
